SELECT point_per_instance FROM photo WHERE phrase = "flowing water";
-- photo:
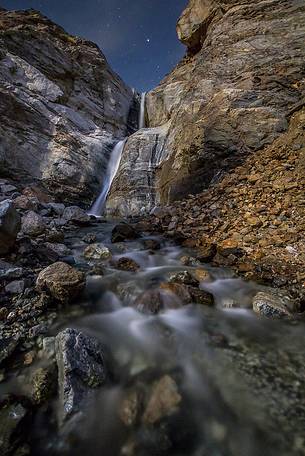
(112, 168)
(142, 111)
(227, 382)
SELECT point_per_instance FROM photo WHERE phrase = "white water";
(142, 111)
(112, 168)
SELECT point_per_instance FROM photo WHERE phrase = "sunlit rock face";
(232, 94)
(62, 108)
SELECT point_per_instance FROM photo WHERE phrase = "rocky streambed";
(117, 341)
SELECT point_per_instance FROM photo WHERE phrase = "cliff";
(61, 107)
(232, 95)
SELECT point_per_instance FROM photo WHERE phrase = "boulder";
(81, 369)
(61, 281)
(33, 224)
(123, 232)
(76, 215)
(9, 225)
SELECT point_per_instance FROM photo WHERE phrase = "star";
(148, 40)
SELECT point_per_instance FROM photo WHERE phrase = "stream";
(193, 379)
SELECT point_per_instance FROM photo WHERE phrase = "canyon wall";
(62, 108)
(234, 92)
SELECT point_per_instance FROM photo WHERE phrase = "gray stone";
(9, 225)
(81, 369)
(76, 215)
(58, 208)
(33, 224)
(61, 249)
(15, 287)
(9, 271)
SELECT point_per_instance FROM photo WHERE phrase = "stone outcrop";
(232, 94)
(62, 108)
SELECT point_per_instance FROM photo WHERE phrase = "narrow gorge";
(152, 248)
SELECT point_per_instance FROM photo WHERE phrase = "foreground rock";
(9, 226)
(81, 369)
(61, 281)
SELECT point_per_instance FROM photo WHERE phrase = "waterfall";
(142, 111)
(112, 168)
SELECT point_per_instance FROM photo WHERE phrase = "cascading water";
(142, 111)
(112, 169)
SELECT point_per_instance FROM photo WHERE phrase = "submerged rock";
(9, 225)
(127, 264)
(163, 401)
(156, 300)
(61, 281)
(81, 369)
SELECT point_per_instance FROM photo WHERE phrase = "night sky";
(138, 37)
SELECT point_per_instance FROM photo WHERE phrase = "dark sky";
(138, 37)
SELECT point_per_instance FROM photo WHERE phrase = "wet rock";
(129, 408)
(151, 244)
(76, 215)
(90, 238)
(179, 290)
(202, 275)
(123, 232)
(274, 304)
(61, 281)
(81, 369)
(97, 252)
(9, 225)
(183, 277)
(8, 346)
(127, 264)
(43, 384)
(163, 401)
(33, 224)
(15, 287)
(202, 297)
(11, 417)
(60, 249)
(156, 300)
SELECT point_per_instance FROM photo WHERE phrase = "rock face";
(62, 108)
(81, 368)
(9, 225)
(232, 94)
